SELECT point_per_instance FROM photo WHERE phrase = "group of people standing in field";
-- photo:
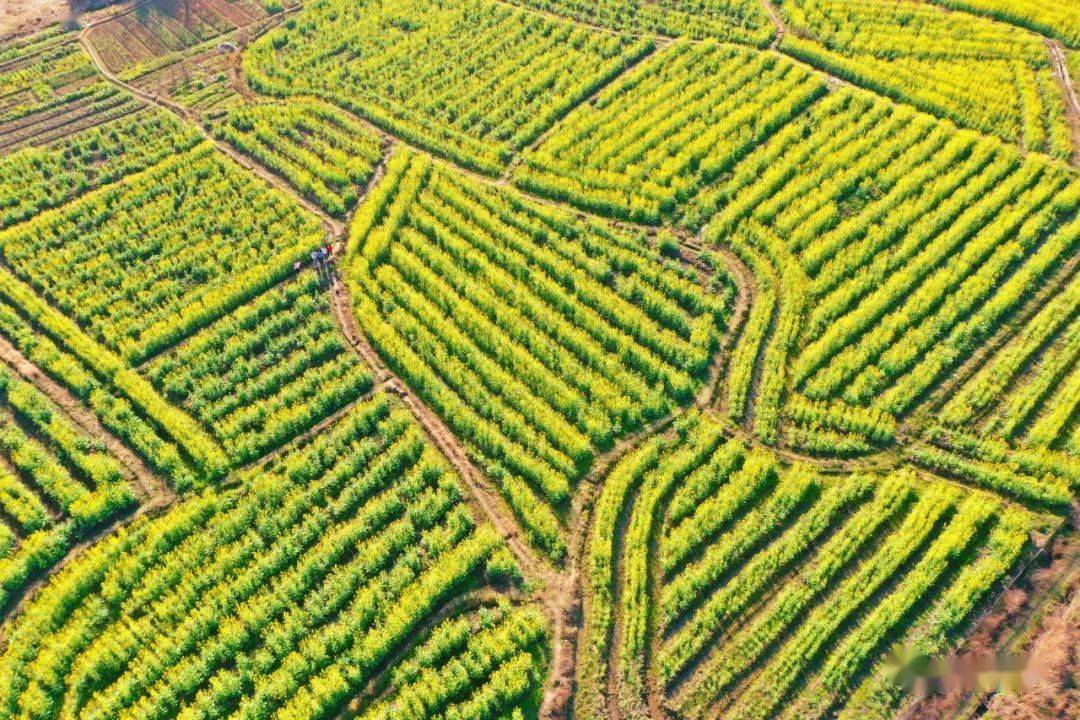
(322, 259)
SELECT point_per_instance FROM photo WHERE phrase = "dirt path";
(483, 495)
(745, 297)
(781, 31)
(1072, 103)
(565, 597)
(557, 592)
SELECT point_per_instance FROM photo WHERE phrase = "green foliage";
(410, 67)
(56, 484)
(1060, 20)
(924, 55)
(149, 286)
(266, 372)
(323, 153)
(539, 338)
(676, 122)
(736, 20)
(287, 591)
(35, 179)
(478, 666)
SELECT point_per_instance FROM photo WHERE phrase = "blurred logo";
(923, 676)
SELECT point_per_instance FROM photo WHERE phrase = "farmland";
(536, 359)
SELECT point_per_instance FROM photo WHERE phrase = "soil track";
(555, 590)
(1068, 90)
(746, 296)
(483, 496)
(777, 21)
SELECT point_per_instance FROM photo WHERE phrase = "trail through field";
(777, 21)
(334, 227)
(1068, 90)
(558, 591)
(745, 297)
(555, 590)
(443, 438)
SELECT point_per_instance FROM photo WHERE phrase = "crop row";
(1036, 477)
(131, 42)
(281, 597)
(266, 372)
(539, 338)
(72, 356)
(735, 20)
(56, 71)
(323, 153)
(112, 405)
(26, 46)
(1050, 341)
(1027, 391)
(36, 179)
(120, 260)
(673, 124)
(885, 290)
(472, 81)
(472, 667)
(923, 55)
(1060, 20)
(56, 484)
(766, 576)
(824, 567)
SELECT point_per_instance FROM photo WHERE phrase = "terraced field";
(537, 358)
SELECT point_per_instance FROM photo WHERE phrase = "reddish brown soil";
(22, 17)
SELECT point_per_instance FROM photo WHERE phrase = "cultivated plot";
(736, 20)
(413, 68)
(722, 583)
(925, 56)
(664, 130)
(49, 89)
(327, 156)
(540, 338)
(282, 596)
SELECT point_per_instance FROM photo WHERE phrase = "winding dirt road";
(1068, 90)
